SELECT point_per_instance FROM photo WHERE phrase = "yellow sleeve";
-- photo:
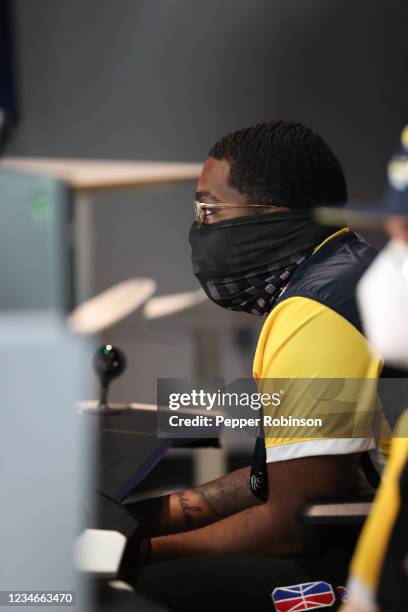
(370, 552)
(302, 347)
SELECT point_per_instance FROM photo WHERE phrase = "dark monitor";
(35, 244)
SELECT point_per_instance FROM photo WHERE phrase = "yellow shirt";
(302, 347)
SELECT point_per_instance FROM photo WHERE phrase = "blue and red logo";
(306, 596)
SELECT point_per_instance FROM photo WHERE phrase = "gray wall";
(162, 79)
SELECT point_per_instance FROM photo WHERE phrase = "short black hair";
(284, 163)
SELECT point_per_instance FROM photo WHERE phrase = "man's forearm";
(252, 531)
(197, 507)
(211, 501)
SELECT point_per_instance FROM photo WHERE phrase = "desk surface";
(88, 175)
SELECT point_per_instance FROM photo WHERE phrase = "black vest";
(330, 277)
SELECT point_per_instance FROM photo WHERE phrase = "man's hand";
(263, 529)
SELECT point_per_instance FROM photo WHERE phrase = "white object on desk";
(111, 306)
(99, 552)
(133, 408)
(93, 405)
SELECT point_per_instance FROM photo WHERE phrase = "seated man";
(257, 248)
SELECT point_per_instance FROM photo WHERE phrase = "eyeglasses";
(203, 210)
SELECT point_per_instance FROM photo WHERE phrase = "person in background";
(379, 569)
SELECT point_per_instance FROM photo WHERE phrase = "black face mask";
(245, 263)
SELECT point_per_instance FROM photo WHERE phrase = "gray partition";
(35, 243)
(44, 455)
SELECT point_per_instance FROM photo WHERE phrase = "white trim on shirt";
(310, 448)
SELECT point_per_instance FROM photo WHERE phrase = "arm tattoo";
(229, 494)
(187, 509)
(217, 499)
